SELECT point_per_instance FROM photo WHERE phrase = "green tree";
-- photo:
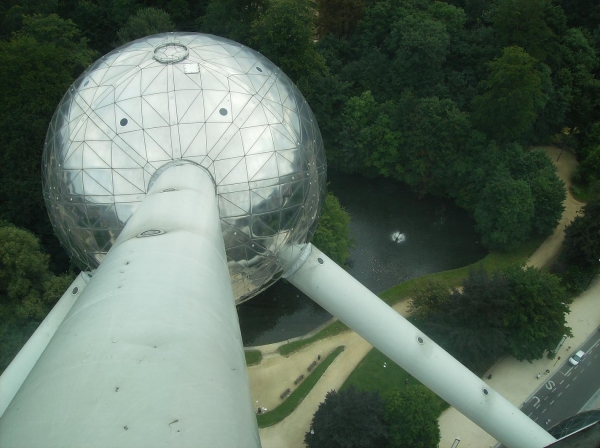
(23, 274)
(232, 18)
(549, 193)
(578, 65)
(420, 45)
(327, 97)
(333, 233)
(477, 336)
(95, 19)
(27, 287)
(145, 22)
(348, 419)
(547, 189)
(466, 322)
(411, 416)
(429, 299)
(485, 160)
(522, 23)
(511, 96)
(367, 144)
(589, 168)
(284, 34)
(581, 13)
(516, 311)
(504, 213)
(434, 153)
(12, 13)
(582, 237)
(535, 315)
(552, 118)
(338, 17)
(34, 75)
(452, 17)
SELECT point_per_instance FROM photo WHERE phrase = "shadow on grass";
(371, 375)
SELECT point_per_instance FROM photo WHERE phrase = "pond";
(397, 236)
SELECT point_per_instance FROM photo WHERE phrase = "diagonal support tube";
(365, 313)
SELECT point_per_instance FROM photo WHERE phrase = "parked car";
(574, 360)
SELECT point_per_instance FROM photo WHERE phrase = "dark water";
(431, 235)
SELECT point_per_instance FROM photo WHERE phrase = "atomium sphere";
(198, 98)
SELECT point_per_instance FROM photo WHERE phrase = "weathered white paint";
(14, 375)
(151, 353)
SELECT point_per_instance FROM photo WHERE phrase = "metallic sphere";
(193, 97)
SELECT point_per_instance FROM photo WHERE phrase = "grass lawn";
(292, 402)
(370, 375)
(491, 262)
(253, 357)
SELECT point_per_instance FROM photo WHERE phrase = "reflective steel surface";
(199, 98)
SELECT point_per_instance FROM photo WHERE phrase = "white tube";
(151, 353)
(14, 375)
(344, 297)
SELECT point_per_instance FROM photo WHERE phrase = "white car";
(574, 360)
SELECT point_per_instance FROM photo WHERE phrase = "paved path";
(515, 380)
(549, 249)
(564, 392)
(276, 373)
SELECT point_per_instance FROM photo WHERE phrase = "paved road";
(568, 390)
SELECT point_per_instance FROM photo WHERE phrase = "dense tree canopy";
(368, 145)
(338, 17)
(145, 22)
(411, 415)
(284, 34)
(516, 311)
(28, 289)
(231, 18)
(348, 419)
(547, 190)
(580, 259)
(523, 23)
(37, 66)
(333, 233)
(534, 319)
(504, 213)
(511, 96)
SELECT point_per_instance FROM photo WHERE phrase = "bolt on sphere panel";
(201, 99)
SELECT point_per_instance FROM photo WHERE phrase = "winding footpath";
(515, 380)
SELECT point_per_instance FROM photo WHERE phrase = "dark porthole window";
(123, 122)
(223, 111)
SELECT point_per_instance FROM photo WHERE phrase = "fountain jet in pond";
(186, 172)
